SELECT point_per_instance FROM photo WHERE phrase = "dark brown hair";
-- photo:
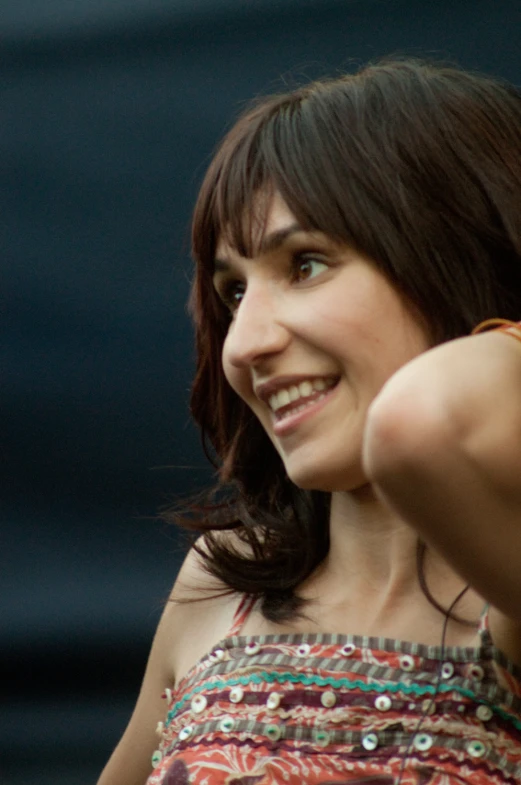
(418, 166)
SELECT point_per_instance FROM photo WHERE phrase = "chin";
(316, 477)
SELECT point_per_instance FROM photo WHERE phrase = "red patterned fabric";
(323, 709)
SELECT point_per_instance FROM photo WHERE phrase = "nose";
(257, 330)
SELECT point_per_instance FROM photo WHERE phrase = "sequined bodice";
(323, 709)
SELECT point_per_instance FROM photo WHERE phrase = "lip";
(292, 422)
(265, 390)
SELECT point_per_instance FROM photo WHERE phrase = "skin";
(412, 441)
(307, 306)
(442, 447)
(310, 307)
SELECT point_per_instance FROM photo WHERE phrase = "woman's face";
(316, 331)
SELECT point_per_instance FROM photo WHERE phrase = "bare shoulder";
(198, 613)
(506, 635)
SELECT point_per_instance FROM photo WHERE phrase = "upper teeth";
(303, 390)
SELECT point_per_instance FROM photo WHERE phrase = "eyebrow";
(268, 244)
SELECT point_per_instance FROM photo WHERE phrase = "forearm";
(443, 449)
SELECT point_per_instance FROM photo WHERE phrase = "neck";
(373, 557)
(369, 542)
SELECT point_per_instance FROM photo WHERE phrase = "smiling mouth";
(294, 399)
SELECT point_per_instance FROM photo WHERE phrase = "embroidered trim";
(323, 681)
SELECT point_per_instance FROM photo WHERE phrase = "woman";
(353, 610)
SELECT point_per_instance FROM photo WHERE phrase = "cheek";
(237, 378)
(225, 365)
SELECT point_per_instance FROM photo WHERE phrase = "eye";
(308, 266)
(231, 293)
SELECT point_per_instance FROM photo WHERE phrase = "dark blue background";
(109, 113)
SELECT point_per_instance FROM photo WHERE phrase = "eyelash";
(230, 288)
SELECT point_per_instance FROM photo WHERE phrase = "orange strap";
(501, 325)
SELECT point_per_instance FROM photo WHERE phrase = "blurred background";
(110, 110)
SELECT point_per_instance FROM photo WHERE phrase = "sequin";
(484, 713)
(321, 737)
(428, 706)
(422, 742)
(186, 733)
(476, 672)
(383, 703)
(407, 662)
(273, 701)
(236, 694)
(198, 704)
(328, 699)
(447, 670)
(370, 742)
(476, 748)
(227, 724)
(273, 732)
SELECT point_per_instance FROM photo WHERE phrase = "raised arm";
(443, 449)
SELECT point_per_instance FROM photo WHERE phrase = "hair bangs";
(288, 146)
(228, 207)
